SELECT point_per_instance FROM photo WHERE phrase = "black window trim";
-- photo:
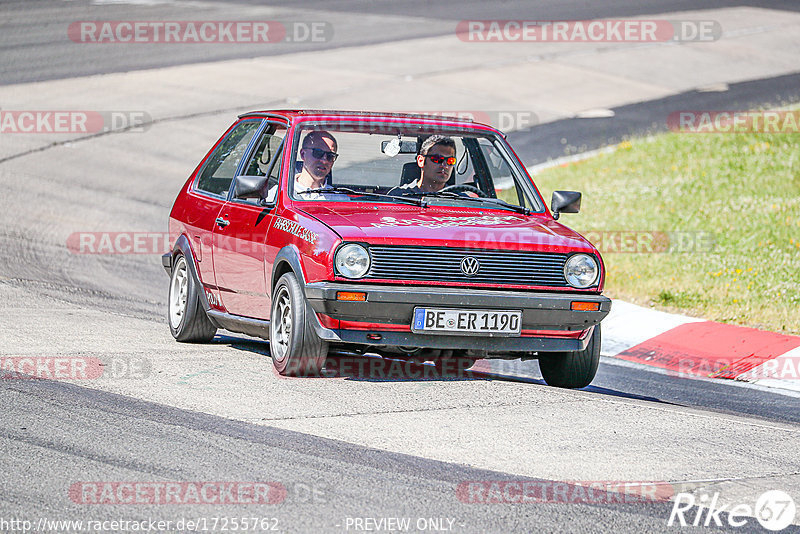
(249, 153)
(250, 202)
(209, 194)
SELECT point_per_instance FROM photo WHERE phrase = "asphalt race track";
(356, 447)
(32, 51)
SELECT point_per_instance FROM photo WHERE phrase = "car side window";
(463, 173)
(274, 175)
(265, 151)
(503, 177)
(218, 173)
(268, 150)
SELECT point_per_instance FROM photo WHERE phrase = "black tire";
(295, 348)
(572, 369)
(186, 317)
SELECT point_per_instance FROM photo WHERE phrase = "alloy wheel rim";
(281, 325)
(178, 294)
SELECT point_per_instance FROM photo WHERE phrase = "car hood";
(448, 227)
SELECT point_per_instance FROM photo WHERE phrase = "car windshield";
(394, 164)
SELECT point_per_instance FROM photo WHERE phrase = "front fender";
(288, 256)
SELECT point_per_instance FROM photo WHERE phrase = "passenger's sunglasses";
(318, 153)
(441, 159)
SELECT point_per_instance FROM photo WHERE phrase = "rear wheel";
(572, 369)
(188, 321)
(295, 348)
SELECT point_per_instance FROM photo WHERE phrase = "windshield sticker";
(291, 227)
(445, 221)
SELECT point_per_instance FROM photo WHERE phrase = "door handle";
(222, 223)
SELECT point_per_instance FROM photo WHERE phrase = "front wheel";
(295, 348)
(572, 369)
(187, 319)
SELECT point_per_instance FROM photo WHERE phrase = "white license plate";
(493, 322)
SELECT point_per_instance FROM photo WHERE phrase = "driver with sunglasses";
(318, 153)
(436, 160)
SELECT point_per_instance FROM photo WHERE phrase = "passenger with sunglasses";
(436, 160)
(318, 153)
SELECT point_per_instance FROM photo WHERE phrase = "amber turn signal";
(350, 295)
(585, 306)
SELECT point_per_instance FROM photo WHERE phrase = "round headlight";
(352, 261)
(581, 271)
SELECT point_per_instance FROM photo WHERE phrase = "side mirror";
(249, 186)
(565, 202)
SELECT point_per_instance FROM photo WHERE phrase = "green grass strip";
(702, 224)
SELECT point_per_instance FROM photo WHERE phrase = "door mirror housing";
(249, 187)
(565, 202)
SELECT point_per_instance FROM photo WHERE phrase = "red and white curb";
(694, 348)
(686, 347)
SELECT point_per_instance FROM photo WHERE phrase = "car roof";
(297, 115)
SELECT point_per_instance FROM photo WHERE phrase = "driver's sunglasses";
(441, 159)
(318, 153)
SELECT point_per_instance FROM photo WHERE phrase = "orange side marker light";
(350, 296)
(584, 306)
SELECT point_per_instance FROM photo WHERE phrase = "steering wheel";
(464, 187)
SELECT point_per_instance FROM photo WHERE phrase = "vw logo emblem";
(470, 266)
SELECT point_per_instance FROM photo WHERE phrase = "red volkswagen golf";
(410, 236)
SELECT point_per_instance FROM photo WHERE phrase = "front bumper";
(394, 306)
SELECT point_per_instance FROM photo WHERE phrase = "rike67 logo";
(775, 510)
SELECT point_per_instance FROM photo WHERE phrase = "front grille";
(443, 264)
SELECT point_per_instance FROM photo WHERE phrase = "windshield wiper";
(348, 191)
(456, 196)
